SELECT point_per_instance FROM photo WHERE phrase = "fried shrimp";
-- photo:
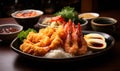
(67, 37)
(33, 49)
(74, 43)
(42, 42)
(60, 32)
(45, 41)
(56, 42)
(71, 45)
(33, 37)
(47, 31)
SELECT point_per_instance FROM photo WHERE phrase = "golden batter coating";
(67, 37)
(43, 41)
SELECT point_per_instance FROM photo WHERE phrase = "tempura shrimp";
(42, 42)
(74, 43)
(33, 49)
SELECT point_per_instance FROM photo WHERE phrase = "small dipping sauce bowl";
(27, 18)
(9, 31)
(104, 24)
(88, 16)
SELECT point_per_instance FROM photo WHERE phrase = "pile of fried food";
(67, 37)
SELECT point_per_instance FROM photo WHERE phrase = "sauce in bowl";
(8, 30)
(26, 14)
(88, 15)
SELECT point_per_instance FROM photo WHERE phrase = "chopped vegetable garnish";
(23, 34)
(68, 13)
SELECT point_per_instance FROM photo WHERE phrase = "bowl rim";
(98, 24)
(14, 25)
(86, 22)
(40, 12)
(93, 13)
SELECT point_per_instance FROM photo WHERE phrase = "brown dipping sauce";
(96, 38)
(8, 30)
(97, 44)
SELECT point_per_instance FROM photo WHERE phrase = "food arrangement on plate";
(67, 37)
(63, 41)
(61, 38)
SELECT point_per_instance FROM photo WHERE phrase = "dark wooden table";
(11, 61)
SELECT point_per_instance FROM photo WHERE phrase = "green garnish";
(23, 34)
(68, 13)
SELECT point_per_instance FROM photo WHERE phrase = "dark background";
(108, 5)
(9, 6)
